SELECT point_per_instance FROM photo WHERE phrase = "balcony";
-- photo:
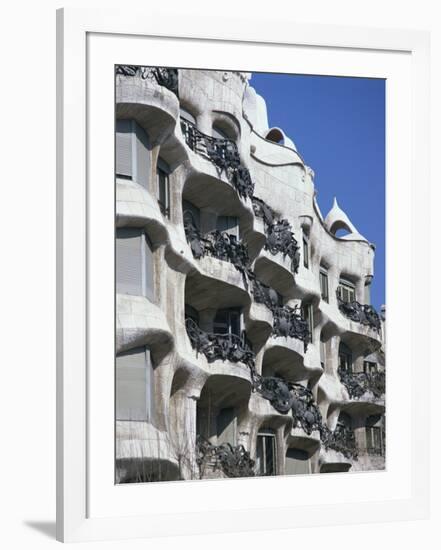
(279, 234)
(342, 440)
(223, 153)
(360, 383)
(162, 75)
(232, 461)
(287, 320)
(217, 244)
(224, 347)
(364, 314)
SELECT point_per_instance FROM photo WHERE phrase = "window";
(132, 152)
(163, 187)
(324, 289)
(266, 453)
(297, 462)
(229, 224)
(346, 291)
(370, 367)
(227, 321)
(134, 385)
(308, 316)
(322, 353)
(226, 426)
(134, 263)
(305, 251)
(345, 358)
(374, 440)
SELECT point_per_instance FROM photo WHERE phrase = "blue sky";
(338, 126)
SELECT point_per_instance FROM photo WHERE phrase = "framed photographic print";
(236, 211)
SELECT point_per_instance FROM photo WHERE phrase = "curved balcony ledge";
(284, 356)
(154, 107)
(332, 389)
(140, 322)
(362, 408)
(299, 439)
(307, 284)
(135, 207)
(138, 439)
(275, 271)
(259, 323)
(216, 283)
(273, 154)
(143, 453)
(222, 155)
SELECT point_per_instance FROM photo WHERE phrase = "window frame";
(162, 169)
(262, 435)
(323, 276)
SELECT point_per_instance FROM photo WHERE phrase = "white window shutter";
(134, 385)
(124, 152)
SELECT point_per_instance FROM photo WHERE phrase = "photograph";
(250, 301)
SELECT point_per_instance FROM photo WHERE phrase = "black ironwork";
(289, 322)
(223, 153)
(234, 461)
(218, 244)
(164, 76)
(359, 383)
(279, 234)
(360, 313)
(342, 440)
(226, 347)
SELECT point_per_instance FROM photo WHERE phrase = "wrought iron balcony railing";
(223, 153)
(234, 461)
(359, 383)
(342, 440)
(364, 314)
(287, 320)
(162, 75)
(279, 234)
(218, 244)
(226, 347)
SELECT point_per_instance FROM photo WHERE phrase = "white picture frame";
(83, 506)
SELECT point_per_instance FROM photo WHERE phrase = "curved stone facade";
(245, 342)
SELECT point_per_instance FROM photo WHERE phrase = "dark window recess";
(228, 224)
(345, 359)
(163, 191)
(308, 316)
(266, 453)
(324, 288)
(192, 313)
(305, 252)
(227, 321)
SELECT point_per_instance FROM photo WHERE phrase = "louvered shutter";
(129, 261)
(124, 149)
(142, 157)
(134, 385)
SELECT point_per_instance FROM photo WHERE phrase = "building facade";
(245, 339)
